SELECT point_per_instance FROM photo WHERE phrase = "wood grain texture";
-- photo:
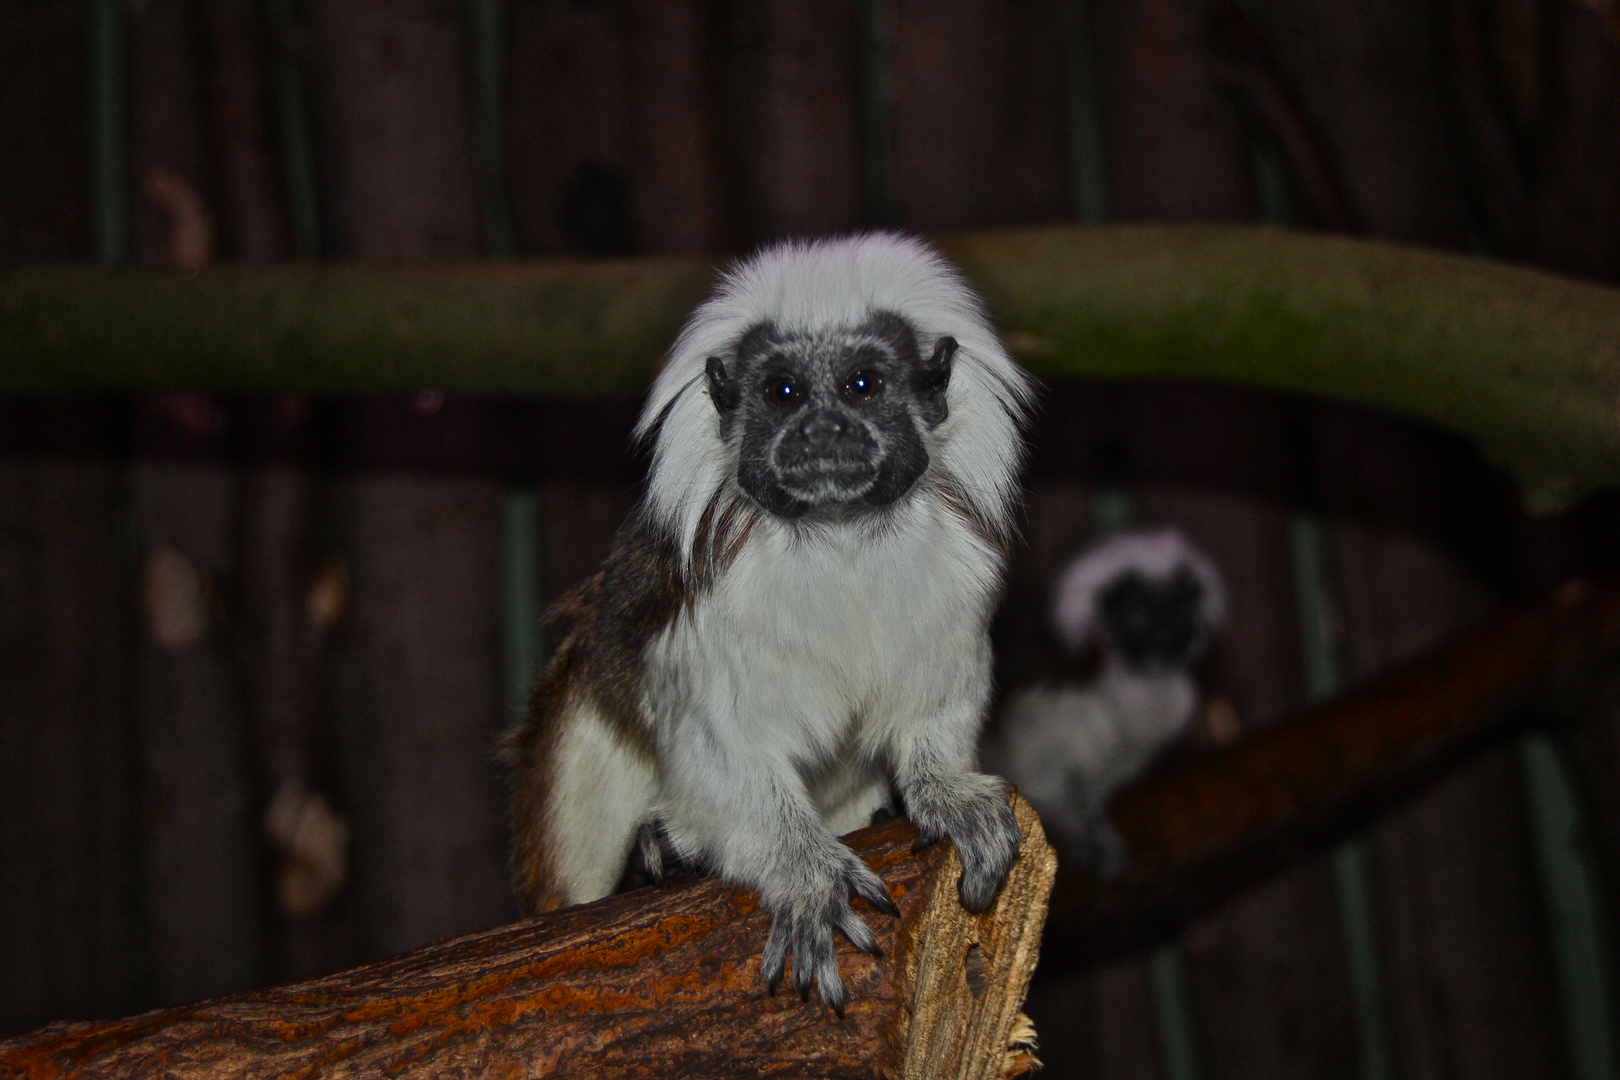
(658, 982)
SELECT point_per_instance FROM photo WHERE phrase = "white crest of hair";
(1152, 553)
(811, 285)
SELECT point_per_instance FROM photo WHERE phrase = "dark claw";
(875, 894)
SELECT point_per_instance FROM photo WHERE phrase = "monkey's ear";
(932, 379)
(936, 369)
(722, 387)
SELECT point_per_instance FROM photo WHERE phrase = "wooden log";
(1200, 831)
(658, 982)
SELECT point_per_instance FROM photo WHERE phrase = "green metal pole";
(297, 144)
(876, 42)
(1320, 648)
(1088, 176)
(1570, 889)
(109, 142)
(486, 23)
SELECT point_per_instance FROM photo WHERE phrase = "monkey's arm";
(933, 757)
(744, 812)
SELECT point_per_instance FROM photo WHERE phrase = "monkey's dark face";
(1153, 622)
(831, 419)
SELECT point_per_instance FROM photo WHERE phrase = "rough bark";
(658, 982)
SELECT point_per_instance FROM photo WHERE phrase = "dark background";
(135, 772)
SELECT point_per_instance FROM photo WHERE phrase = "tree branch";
(658, 982)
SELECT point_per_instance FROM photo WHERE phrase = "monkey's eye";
(863, 385)
(783, 391)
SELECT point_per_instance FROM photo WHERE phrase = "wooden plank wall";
(344, 559)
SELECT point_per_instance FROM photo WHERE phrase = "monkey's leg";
(601, 790)
(747, 815)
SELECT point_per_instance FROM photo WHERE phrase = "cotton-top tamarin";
(1150, 601)
(790, 632)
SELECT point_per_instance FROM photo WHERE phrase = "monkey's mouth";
(825, 479)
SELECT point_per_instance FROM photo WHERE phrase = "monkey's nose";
(824, 427)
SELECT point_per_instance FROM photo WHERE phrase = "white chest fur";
(820, 645)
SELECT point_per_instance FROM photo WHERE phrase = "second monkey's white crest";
(803, 287)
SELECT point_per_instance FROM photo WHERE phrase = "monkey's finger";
(812, 951)
(774, 962)
(829, 985)
(852, 926)
(870, 887)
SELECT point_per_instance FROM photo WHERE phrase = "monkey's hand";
(805, 916)
(973, 811)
